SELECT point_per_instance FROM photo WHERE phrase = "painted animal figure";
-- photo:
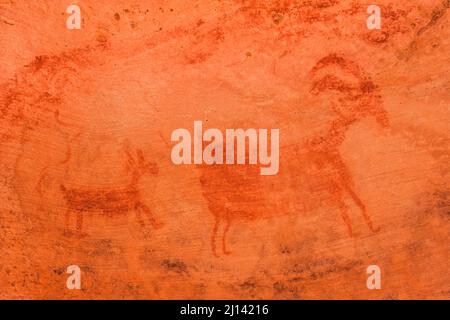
(112, 201)
(236, 192)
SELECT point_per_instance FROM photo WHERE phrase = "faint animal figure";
(357, 101)
(112, 201)
(236, 192)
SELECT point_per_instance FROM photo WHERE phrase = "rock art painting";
(92, 94)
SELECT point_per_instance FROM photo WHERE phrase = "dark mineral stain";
(177, 266)
(378, 36)
(277, 18)
(6, 22)
(317, 270)
(204, 45)
(437, 14)
(59, 271)
(280, 287)
(248, 285)
(105, 247)
(443, 200)
(38, 63)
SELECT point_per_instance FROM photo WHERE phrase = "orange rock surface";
(86, 176)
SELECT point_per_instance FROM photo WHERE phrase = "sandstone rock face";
(86, 176)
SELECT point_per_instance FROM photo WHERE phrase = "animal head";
(137, 163)
(356, 95)
(146, 166)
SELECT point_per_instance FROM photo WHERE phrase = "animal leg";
(66, 221)
(361, 205)
(149, 213)
(79, 222)
(214, 235)
(39, 184)
(224, 235)
(139, 217)
(344, 211)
